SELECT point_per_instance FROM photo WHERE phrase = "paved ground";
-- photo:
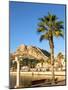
(27, 77)
(47, 73)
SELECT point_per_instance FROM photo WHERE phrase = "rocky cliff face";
(32, 51)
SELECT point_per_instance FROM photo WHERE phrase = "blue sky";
(23, 25)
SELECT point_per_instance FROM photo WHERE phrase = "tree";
(60, 56)
(48, 61)
(48, 27)
(42, 62)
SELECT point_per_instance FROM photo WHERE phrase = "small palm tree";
(48, 27)
(60, 56)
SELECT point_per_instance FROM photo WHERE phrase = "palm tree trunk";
(52, 58)
(52, 64)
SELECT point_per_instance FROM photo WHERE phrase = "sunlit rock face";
(32, 51)
(22, 49)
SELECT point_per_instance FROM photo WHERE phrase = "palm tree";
(48, 27)
(60, 56)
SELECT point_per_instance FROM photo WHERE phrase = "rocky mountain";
(32, 51)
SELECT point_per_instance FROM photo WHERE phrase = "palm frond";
(42, 19)
(58, 33)
(46, 18)
(41, 24)
(54, 17)
(62, 35)
(60, 22)
(44, 36)
(41, 29)
(59, 25)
